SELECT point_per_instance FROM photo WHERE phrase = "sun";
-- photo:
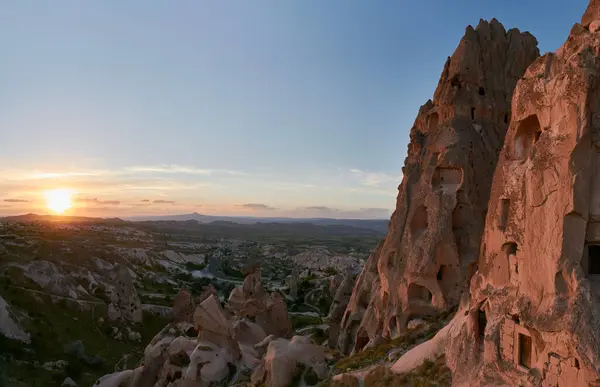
(58, 200)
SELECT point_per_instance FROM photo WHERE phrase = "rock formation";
(429, 254)
(253, 302)
(278, 367)
(338, 307)
(125, 303)
(534, 308)
(294, 283)
(183, 307)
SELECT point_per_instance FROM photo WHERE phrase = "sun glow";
(58, 200)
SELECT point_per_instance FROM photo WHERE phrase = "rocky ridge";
(533, 311)
(424, 264)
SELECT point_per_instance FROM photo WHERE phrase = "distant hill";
(379, 225)
(30, 218)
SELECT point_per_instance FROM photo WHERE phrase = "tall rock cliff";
(534, 308)
(429, 254)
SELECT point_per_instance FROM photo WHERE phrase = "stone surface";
(278, 366)
(294, 283)
(125, 304)
(591, 14)
(8, 327)
(338, 307)
(183, 307)
(543, 215)
(213, 326)
(252, 301)
(429, 254)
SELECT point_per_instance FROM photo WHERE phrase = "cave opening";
(481, 323)
(594, 259)
(504, 207)
(528, 133)
(525, 345)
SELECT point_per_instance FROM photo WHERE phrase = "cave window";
(419, 221)
(481, 322)
(525, 350)
(418, 293)
(481, 91)
(433, 121)
(594, 259)
(510, 248)
(528, 133)
(473, 113)
(440, 273)
(576, 363)
(505, 205)
(362, 339)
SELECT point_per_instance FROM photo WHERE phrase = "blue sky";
(297, 108)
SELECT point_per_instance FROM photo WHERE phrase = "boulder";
(278, 367)
(68, 382)
(213, 327)
(275, 319)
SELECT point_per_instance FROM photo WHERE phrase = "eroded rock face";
(252, 301)
(338, 307)
(183, 307)
(429, 254)
(534, 304)
(279, 364)
(125, 303)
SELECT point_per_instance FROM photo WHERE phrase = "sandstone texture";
(429, 254)
(534, 304)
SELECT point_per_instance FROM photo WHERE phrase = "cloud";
(257, 206)
(145, 200)
(96, 201)
(16, 201)
(320, 208)
(376, 179)
(179, 169)
(376, 212)
(163, 201)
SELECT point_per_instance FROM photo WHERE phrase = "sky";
(263, 107)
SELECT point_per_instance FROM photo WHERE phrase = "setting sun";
(58, 200)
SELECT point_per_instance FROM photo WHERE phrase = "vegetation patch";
(405, 342)
(429, 374)
(301, 320)
(52, 326)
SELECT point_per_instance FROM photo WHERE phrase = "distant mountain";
(379, 225)
(30, 218)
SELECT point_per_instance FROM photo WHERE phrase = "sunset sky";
(266, 108)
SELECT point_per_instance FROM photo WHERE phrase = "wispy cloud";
(160, 201)
(179, 169)
(257, 206)
(376, 179)
(16, 201)
(96, 201)
(145, 200)
(319, 208)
